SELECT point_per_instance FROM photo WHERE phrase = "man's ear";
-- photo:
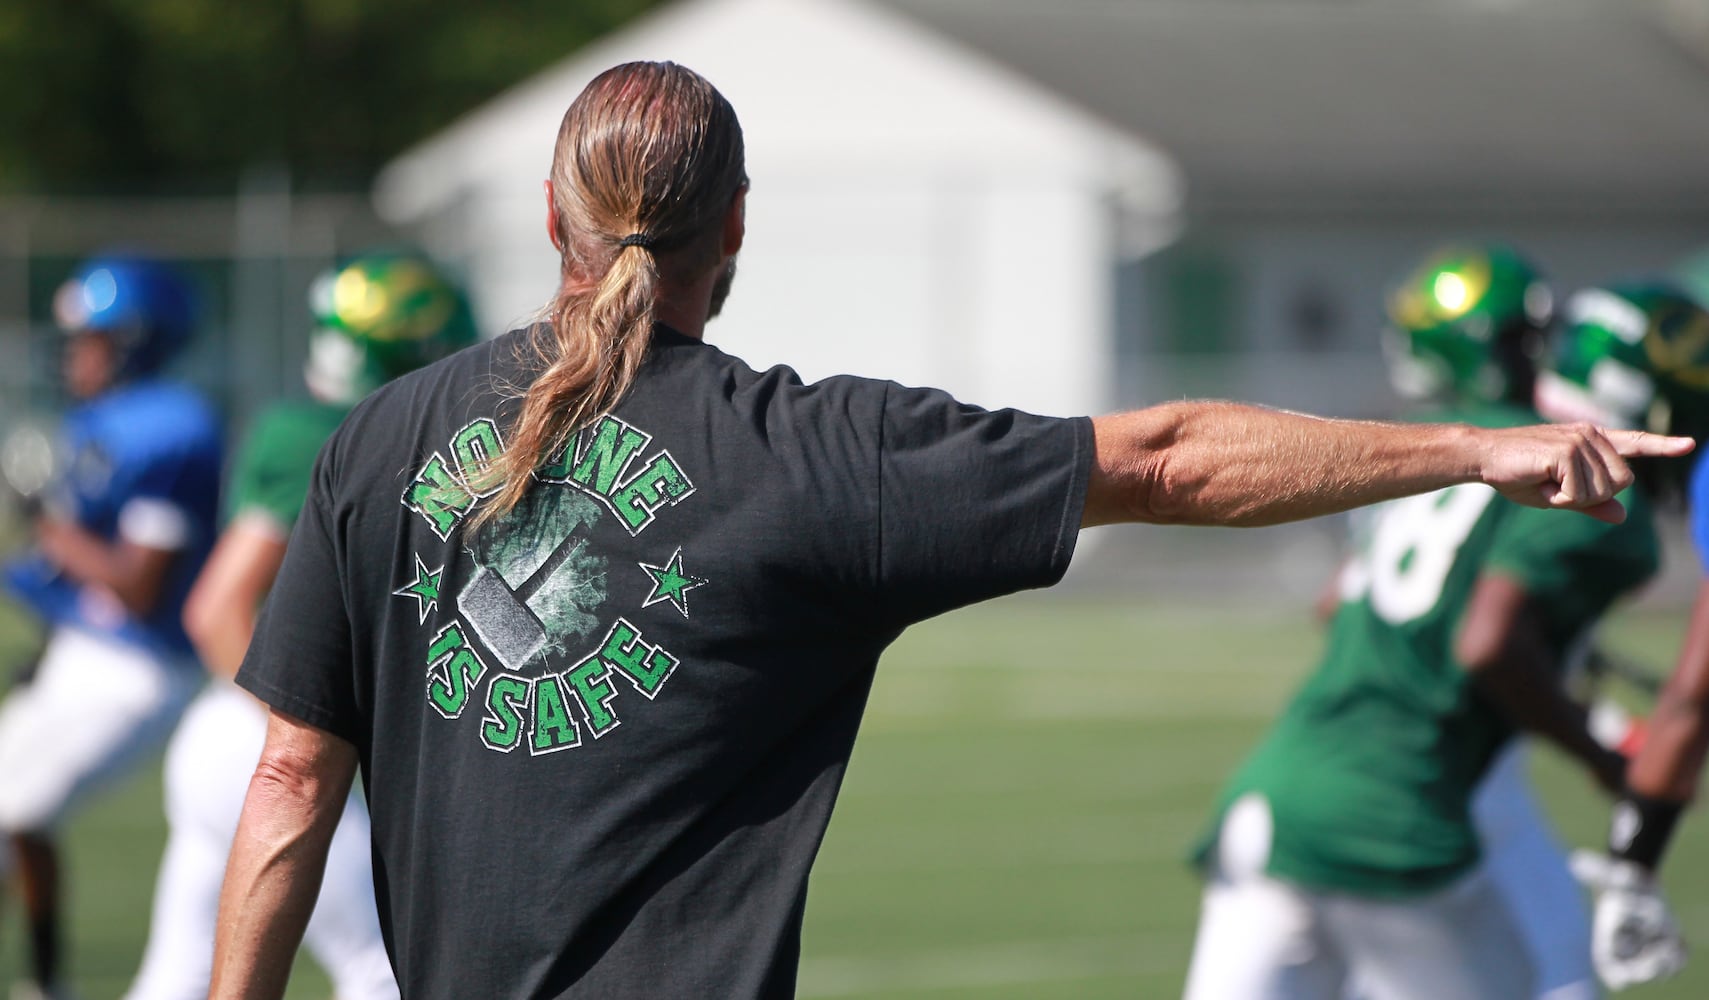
(736, 222)
(552, 217)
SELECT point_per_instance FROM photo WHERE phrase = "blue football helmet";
(145, 307)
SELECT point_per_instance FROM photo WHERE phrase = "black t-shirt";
(601, 737)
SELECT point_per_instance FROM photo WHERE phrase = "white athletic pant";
(1260, 938)
(95, 709)
(208, 767)
(1526, 863)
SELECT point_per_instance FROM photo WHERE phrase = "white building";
(918, 211)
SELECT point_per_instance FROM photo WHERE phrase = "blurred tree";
(145, 94)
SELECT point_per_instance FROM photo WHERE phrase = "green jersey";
(271, 475)
(1369, 773)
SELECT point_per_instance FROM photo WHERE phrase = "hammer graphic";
(501, 616)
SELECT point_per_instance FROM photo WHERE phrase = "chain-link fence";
(250, 257)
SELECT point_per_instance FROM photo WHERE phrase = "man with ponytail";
(595, 606)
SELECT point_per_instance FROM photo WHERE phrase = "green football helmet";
(1468, 324)
(378, 316)
(1633, 356)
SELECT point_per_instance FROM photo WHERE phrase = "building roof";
(1577, 106)
(835, 85)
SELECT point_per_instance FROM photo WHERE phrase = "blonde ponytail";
(647, 162)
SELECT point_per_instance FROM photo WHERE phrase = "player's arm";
(219, 614)
(1226, 463)
(1668, 766)
(133, 566)
(1505, 651)
(278, 857)
(1663, 776)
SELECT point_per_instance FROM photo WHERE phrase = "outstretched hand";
(1571, 466)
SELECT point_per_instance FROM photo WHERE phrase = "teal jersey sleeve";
(271, 475)
(1575, 566)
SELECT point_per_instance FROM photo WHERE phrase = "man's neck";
(685, 308)
(681, 317)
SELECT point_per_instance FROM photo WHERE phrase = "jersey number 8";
(1412, 549)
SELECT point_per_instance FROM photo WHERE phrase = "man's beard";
(721, 288)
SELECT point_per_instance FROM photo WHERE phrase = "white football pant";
(96, 708)
(1261, 938)
(208, 767)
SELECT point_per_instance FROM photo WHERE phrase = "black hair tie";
(642, 240)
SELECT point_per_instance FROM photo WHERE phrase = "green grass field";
(1014, 821)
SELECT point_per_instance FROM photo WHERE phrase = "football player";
(1636, 937)
(1470, 325)
(378, 316)
(120, 538)
(1345, 852)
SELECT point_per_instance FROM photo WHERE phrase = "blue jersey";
(1698, 499)
(143, 460)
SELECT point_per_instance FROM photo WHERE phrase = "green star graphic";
(670, 583)
(424, 588)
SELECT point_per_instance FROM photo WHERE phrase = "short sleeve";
(1699, 505)
(974, 503)
(157, 524)
(157, 511)
(270, 476)
(300, 659)
(1574, 565)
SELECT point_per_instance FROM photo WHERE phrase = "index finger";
(1634, 444)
